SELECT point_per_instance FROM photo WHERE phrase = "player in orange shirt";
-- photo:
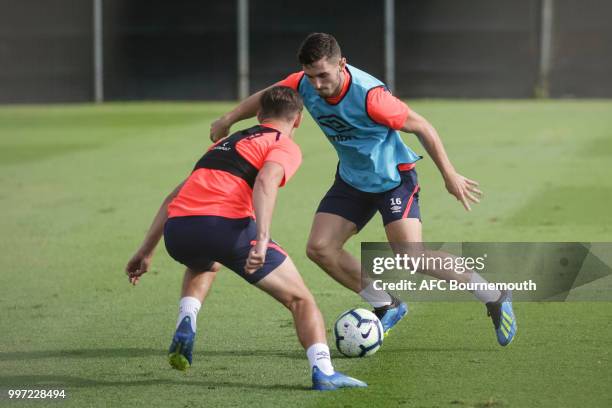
(208, 221)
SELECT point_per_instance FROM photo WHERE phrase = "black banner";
(549, 271)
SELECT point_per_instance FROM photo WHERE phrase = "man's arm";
(140, 261)
(464, 189)
(246, 109)
(264, 198)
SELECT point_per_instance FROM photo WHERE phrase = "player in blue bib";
(361, 119)
(369, 152)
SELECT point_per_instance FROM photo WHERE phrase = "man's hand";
(137, 265)
(219, 129)
(257, 256)
(464, 189)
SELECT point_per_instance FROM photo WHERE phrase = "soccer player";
(208, 220)
(376, 172)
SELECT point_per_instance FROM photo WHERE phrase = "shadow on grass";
(492, 349)
(42, 381)
(64, 381)
(132, 352)
(81, 353)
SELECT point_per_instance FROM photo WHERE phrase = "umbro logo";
(396, 205)
(335, 123)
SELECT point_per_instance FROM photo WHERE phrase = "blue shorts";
(199, 241)
(359, 207)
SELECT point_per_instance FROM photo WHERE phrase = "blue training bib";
(368, 152)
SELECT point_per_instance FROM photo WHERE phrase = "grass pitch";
(80, 184)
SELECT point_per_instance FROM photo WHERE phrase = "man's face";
(325, 76)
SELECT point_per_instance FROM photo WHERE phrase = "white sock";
(318, 355)
(189, 306)
(376, 298)
(486, 295)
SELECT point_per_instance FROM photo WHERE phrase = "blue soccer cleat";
(503, 318)
(391, 314)
(179, 354)
(322, 382)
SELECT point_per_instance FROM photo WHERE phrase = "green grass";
(80, 184)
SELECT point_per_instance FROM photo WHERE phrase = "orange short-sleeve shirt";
(216, 192)
(381, 105)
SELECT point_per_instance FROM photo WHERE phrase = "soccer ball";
(358, 333)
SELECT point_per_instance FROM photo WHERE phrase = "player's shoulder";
(292, 81)
(289, 148)
(363, 80)
(261, 132)
(270, 138)
(289, 143)
(257, 137)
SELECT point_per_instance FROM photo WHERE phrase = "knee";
(298, 301)
(318, 250)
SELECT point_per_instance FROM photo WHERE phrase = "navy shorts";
(199, 241)
(359, 207)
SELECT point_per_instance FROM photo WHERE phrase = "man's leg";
(196, 285)
(343, 211)
(403, 227)
(328, 235)
(195, 289)
(325, 247)
(286, 285)
(405, 236)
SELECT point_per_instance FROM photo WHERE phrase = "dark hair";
(318, 46)
(280, 102)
